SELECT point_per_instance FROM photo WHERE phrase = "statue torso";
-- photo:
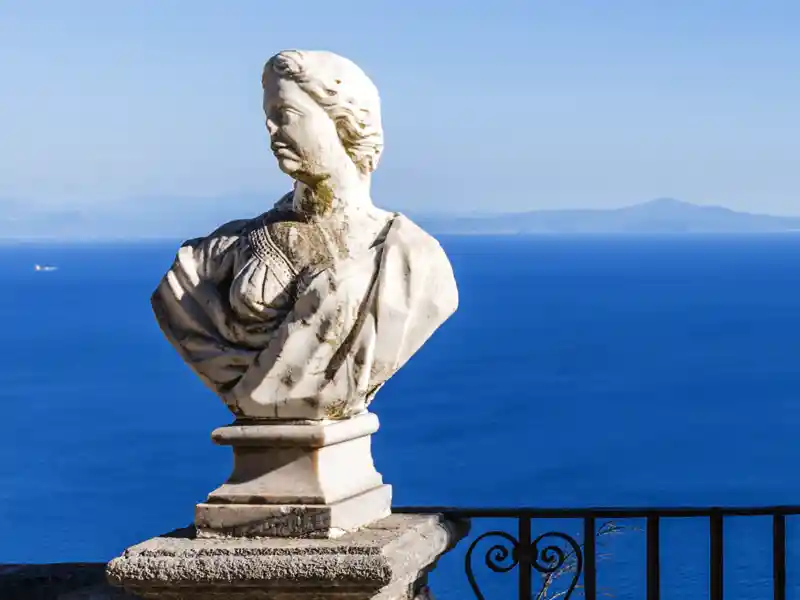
(280, 252)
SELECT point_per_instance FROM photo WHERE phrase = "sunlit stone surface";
(305, 311)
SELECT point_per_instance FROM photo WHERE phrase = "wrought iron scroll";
(551, 560)
(494, 559)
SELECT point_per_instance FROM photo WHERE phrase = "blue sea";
(644, 371)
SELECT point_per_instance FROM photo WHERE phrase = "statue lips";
(279, 148)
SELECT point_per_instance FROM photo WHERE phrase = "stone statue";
(304, 312)
(296, 318)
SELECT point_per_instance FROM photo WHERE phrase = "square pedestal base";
(296, 480)
(293, 520)
(389, 560)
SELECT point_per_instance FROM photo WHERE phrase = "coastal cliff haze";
(20, 221)
(664, 215)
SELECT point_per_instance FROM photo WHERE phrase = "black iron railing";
(558, 554)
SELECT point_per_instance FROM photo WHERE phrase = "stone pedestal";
(296, 479)
(304, 515)
(388, 560)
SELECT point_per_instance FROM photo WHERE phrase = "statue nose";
(272, 129)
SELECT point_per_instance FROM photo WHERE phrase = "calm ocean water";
(619, 371)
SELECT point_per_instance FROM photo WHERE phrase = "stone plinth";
(388, 560)
(296, 479)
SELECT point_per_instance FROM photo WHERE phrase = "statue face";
(303, 137)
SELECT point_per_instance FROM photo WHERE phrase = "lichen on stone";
(317, 200)
(337, 410)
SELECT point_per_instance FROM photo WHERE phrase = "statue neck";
(332, 195)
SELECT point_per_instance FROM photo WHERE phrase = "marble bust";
(304, 312)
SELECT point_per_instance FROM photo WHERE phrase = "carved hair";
(346, 94)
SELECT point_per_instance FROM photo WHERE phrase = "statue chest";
(296, 248)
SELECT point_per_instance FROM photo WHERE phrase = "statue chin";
(295, 169)
(289, 165)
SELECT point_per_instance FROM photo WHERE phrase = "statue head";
(323, 115)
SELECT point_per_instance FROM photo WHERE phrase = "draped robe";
(282, 322)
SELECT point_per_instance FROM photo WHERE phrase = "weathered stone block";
(296, 480)
(389, 560)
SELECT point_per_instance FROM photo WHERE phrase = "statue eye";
(284, 114)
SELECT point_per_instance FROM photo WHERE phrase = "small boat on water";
(45, 268)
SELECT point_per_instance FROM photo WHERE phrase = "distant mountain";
(664, 215)
(19, 219)
(179, 218)
(175, 218)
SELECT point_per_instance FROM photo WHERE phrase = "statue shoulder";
(414, 236)
(221, 238)
(421, 249)
(424, 255)
(208, 255)
(230, 229)
(224, 237)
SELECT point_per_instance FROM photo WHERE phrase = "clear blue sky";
(503, 104)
